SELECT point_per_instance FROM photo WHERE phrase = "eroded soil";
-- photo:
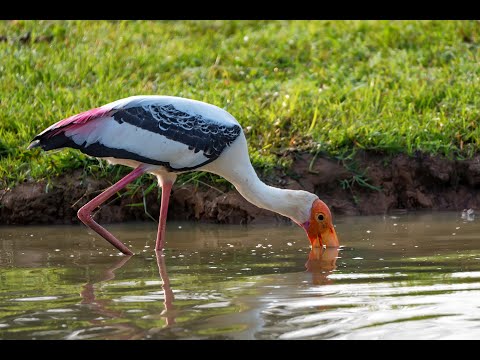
(394, 183)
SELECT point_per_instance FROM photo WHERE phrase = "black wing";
(197, 132)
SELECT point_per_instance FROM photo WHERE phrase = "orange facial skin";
(320, 228)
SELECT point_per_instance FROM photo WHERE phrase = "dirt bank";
(407, 183)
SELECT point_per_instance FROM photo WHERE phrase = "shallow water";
(395, 277)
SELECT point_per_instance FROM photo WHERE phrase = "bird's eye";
(320, 217)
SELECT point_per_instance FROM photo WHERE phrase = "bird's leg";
(85, 212)
(166, 189)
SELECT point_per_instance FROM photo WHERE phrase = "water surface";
(413, 276)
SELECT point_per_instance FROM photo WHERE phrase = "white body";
(110, 133)
(233, 163)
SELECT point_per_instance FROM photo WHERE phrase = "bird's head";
(319, 226)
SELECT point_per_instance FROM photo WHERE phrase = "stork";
(166, 136)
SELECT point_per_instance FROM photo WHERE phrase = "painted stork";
(166, 136)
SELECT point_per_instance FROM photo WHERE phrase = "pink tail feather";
(76, 120)
(69, 123)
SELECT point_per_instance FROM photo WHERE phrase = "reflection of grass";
(413, 318)
(223, 330)
(20, 283)
(195, 284)
(24, 283)
(317, 85)
(193, 290)
(60, 283)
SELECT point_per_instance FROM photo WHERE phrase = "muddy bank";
(371, 183)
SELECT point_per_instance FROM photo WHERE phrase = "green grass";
(333, 86)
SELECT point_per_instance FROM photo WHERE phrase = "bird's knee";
(84, 215)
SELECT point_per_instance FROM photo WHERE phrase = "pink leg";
(85, 212)
(166, 189)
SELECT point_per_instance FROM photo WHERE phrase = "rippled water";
(395, 277)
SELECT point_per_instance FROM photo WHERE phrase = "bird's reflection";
(168, 293)
(321, 262)
(101, 307)
(88, 293)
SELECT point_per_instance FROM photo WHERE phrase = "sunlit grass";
(391, 86)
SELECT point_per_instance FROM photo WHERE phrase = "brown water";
(396, 277)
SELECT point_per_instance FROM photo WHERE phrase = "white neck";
(234, 165)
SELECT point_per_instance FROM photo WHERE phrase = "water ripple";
(37, 298)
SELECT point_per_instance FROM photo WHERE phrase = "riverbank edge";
(369, 183)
